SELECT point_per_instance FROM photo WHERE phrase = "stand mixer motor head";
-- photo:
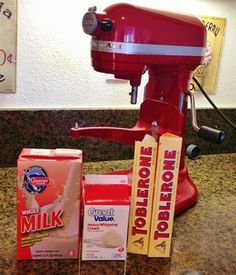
(127, 40)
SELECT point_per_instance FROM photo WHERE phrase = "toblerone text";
(142, 193)
(167, 171)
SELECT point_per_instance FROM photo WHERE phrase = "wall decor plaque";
(207, 72)
(8, 34)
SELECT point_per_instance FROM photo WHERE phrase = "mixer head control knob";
(106, 25)
(89, 23)
(92, 9)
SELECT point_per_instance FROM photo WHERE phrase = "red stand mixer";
(127, 41)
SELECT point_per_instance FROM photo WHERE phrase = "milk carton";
(106, 213)
(48, 203)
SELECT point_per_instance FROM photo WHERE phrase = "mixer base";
(187, 193)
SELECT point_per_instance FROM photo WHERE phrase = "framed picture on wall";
(8, 23)
(207, 72)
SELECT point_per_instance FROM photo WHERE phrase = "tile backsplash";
(51, 129)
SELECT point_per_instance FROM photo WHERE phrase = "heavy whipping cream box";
(48, 203)
(167, 172)
(106, 201)
(144, 169)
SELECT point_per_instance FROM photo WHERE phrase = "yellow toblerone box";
(165, 188)
(142, 193)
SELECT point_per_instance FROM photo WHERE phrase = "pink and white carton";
(48, 203)
(106, 213)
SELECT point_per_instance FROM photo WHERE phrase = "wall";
(53, 63)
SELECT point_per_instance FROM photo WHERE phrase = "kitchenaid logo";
(105, 45)
(101, 214)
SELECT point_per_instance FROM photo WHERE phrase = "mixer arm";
(159, 120)
(122, 135)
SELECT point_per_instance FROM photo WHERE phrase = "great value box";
(106, 213)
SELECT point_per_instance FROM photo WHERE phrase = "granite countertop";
(204, 237)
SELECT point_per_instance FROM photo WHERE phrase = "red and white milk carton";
(106, 214)
(48, 203)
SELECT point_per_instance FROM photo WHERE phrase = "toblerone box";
(48, 203)
(167, 172)
(142, 194)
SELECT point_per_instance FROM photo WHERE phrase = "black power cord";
(213, 104)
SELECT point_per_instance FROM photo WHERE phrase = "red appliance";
(127, 41)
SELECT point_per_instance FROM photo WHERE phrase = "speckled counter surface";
(204, 237)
